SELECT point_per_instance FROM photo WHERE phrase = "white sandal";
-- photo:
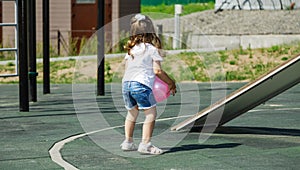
(149, 149)
(128, 146)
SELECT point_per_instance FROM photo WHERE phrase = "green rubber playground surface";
(266, 137)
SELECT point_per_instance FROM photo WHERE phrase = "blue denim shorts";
(137, 94)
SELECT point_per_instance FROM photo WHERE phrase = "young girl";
(142, 65)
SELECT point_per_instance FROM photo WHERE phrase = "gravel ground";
(238, 22)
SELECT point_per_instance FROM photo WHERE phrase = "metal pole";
(23, 58)
(176, 32)
(100, 48)
(58, 42)
(176, 41)
(46, 48)
(32, 50)
(16, 38)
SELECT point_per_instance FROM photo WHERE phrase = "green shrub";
(223, 56)
(242, 51)
(234, 75)
(232, 62)
(9, 64)
(169, 9)
(273, 49)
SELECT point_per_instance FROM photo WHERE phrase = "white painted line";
(279, 109)
(57, 157)
(56, 148)
(275, 105)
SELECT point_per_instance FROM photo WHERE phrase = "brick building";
(72, 18)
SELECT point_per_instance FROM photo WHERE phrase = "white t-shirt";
(140, 66)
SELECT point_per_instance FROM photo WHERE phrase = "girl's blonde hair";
(142, 31)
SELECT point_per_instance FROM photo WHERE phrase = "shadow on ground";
(200, 146)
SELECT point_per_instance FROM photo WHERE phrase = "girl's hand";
(172, 87)
(164, 77)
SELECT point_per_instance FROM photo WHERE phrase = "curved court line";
(279, 109)
(56, 156)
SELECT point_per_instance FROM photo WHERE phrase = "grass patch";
(167, 11)
(231, 65)
(232, 62)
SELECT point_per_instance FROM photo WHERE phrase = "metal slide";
(249, 96)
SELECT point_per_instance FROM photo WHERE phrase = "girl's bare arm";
(160, 73)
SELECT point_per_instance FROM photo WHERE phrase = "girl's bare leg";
(148, 126)
(130, 123)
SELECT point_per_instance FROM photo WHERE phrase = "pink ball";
(160, 90)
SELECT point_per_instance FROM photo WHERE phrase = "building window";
(85, 1)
